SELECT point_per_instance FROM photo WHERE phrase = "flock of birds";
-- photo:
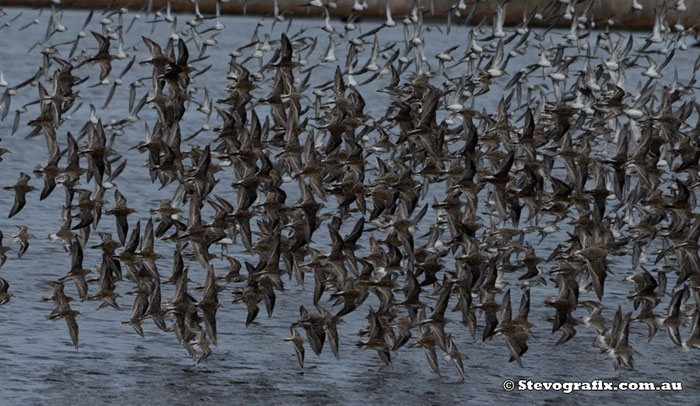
(569, 152)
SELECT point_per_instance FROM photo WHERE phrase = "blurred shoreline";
(602, 12)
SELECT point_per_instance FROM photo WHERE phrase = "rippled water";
(114, 365)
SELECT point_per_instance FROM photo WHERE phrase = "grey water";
(38, 364)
